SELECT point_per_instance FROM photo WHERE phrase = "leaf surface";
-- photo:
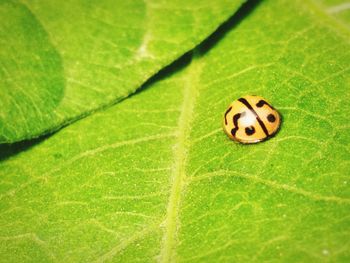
(155, 178)
(62, 60)
(339, 9)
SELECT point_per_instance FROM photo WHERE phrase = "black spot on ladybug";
(227, 112)
(271, 118)
(262, 103)
(250, 130)
(235, 123)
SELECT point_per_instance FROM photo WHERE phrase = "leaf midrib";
(181, 149)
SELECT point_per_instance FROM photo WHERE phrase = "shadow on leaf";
(9, 149)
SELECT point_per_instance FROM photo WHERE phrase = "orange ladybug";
(251, 119)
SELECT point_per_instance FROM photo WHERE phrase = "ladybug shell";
(251, 119)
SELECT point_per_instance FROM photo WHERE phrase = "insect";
(251, 119)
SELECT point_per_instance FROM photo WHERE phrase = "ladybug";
(251, 119)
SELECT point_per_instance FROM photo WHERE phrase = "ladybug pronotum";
(251, 119)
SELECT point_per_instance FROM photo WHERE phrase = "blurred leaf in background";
(62, 60)
(154, 178)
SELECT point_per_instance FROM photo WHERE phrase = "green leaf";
(62, 60)
(155, 177)
(338, 9)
